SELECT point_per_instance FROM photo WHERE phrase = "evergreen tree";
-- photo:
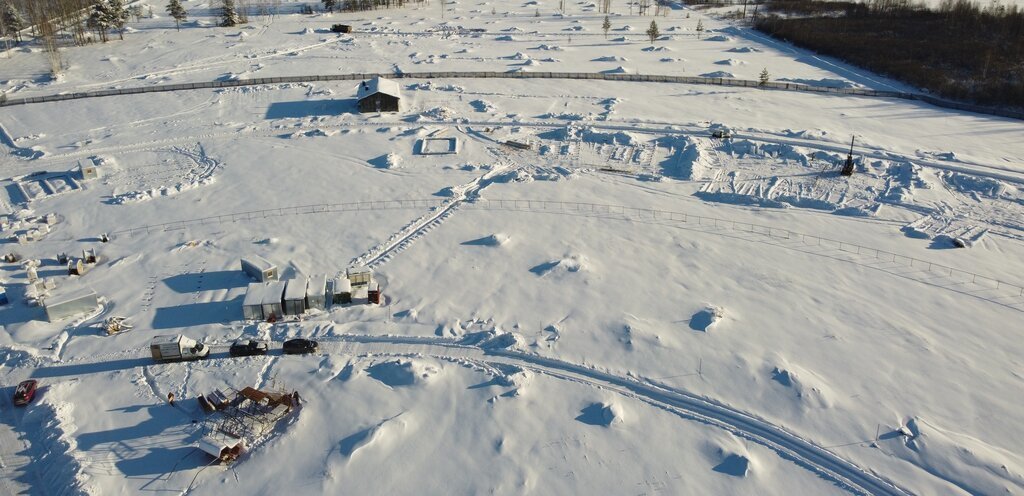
(228, 14)
(700, 28)
(330, 4)
(606, 25)
(118, 15)
(763, 78)
(652, 32)
(178, 12)
(99, 19)
(12, 20)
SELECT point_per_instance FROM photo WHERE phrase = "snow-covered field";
(630, 306)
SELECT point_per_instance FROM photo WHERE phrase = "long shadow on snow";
(206, 281)
(310, 108)
(213, 312)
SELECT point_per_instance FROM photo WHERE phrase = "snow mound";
(315, 133)
(389, 161)
(505, 38)
(719, 37)
(609, 58)
(734, 464)
(601, 414)
(730, 62)
(707, 318)
(502, 341)
(746, 49)
(966, 183)
(437, 113)
(550, 47)
(56, 448)
(618, 70)
(483, 106)
(398, 373)
(799, 382)
(383, 432)
(657, 49)
(496, 239)
(967, 462)
(569, 264)
(718, 74)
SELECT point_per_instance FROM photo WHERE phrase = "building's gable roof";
(378, 85)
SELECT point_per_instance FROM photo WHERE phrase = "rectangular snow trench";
(439, 146)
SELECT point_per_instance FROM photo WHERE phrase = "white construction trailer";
(70, 302)
(259, 268)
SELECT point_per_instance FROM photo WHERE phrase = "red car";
(25, 391)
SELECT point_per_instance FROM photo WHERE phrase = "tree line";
(959, 50)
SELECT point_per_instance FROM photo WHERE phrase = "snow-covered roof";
(272, 292)
(166, 339)
(378, 85)
(342, 285)
(70, 295)
(259, 263)
(254, 294)
(296, 289)
(317, 285)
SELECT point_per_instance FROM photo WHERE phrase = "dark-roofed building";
(379, 95)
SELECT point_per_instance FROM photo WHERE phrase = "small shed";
(341, 293)
(222, 447)
(273, 293)
(88, 171)
(71, 302)
(252, 305)
(379, 95)
(374, 295)
(316, 293)
(341, 28)
(295, 296)
(259, 268)
(359, 276)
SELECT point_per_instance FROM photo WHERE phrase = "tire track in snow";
(788, 445)
(401, 240)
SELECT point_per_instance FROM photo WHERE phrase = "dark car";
(248, 348)
(299, 346)
(25, 391)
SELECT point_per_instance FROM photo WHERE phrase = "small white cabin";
(259, 268)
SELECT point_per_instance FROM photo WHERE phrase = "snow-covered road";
(786, 444)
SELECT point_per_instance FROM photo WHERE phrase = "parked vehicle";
(25, 391)
(174, 348)
(300, 346)
(248, 347)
